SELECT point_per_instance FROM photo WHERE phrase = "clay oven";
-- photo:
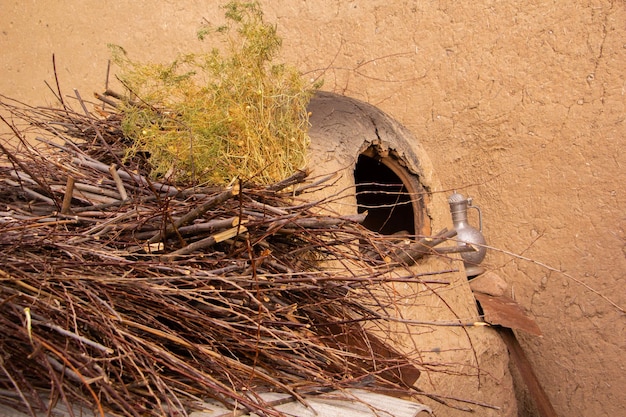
(381, 168)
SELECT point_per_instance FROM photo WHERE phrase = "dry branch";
(139, 296)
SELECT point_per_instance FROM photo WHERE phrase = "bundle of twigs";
(140, 297)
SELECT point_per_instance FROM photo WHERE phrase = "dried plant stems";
(138, 296)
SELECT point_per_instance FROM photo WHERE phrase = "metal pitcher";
(466, 234)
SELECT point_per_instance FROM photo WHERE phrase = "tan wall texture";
(521, 105)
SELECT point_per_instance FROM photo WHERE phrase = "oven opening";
(392, 196)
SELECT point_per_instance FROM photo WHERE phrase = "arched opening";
(393, 197)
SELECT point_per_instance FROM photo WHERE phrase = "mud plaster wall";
(519, 104)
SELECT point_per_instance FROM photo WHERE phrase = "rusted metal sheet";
(536, 391)
(362, 344)
(506, 312)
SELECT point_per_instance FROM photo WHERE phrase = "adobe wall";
(519, 104)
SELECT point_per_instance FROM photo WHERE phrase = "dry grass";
(230, 113)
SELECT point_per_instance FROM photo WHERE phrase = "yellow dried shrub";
(231, 112)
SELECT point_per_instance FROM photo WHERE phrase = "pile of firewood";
(141, 297)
